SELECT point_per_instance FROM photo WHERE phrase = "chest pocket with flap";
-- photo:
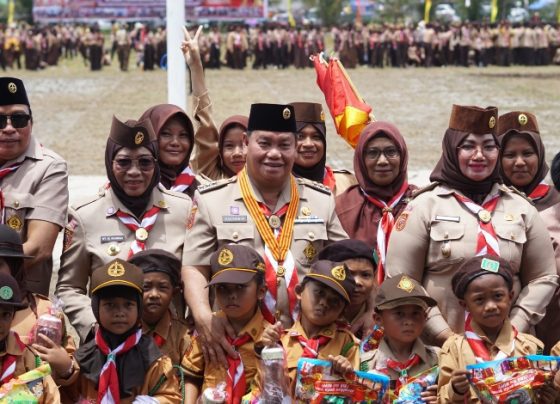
(234, 233)
(446, 241)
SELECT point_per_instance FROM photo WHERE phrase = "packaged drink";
(275, 388)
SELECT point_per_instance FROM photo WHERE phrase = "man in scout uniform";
(287, 220)
(33, 185)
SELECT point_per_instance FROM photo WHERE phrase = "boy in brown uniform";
(120, 364)
(401, 304)
(484, 287)
(238, 282)
(323, 296)
(161, 284)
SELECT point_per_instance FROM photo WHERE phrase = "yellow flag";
(11, 9)
(494, 11)
(427, 8)
(291, 19)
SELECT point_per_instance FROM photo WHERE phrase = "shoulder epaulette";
(216, 185)
(89, 200)
(512, 189)
(314, 185)
(342, 171)
(427, 188)
(165, 191)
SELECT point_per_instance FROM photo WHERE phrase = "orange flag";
(349, 111)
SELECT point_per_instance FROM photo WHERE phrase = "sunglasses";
(18, 121)
(143, 163)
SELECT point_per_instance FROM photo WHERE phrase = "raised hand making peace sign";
(189, 46)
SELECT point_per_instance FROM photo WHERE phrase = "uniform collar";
(505, 337)
(417, 349)
(34, 151)
(282, 200)
(157, 198)
(14, 346)
(254, 327)
(297, 329)
(162, 327)
(444, 190)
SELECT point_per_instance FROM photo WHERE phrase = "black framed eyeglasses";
(18, 121)
(390, 153)
(143, 163)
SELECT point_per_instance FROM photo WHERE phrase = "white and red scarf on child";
(481, 352)
(184, 180)
(9, 361)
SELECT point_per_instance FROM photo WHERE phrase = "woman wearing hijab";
(131, 214)
(175, 138)
(522, 157)
(466, 212)
(218, 154)
(311, 156)
(367, 211)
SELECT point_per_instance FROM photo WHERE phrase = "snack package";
(410, 392)
(372, 340)
(214, 395)
(50, 324)
(512, 380)
(316, 383)
(26, 388)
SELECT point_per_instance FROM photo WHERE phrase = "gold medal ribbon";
(279, 247)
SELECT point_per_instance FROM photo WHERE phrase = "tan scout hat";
(401, 290)
(472, 119)
(521, 122)
(132, 133)
(335, 275)
(117, 272)
(235, 263)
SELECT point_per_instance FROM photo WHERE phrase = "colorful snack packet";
(316, 383)
(26, 388)
(410, 393)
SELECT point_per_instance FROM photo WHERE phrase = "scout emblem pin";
(406, 284)
(280, 271)
(484, 216)
(225, 257)
(12, 88)
(15, 222)
(141, 234)
(338, 272)
(6, 292)
(116, 269)
(274, 221)
(286, 113)
(522, 118)
(492, 122)
(139, 138)
(490, 265)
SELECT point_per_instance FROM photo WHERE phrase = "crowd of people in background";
(279, 46)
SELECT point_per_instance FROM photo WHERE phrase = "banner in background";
(145, 10)
(427, 8)
(494, 11)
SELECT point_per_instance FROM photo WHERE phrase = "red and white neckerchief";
(235, 383)
(108, 388)
(148, 221)
(4, 172)
(402, 369)
(385, 227)
(183, 181)
(9, 361)
(478, 346)
(328, 179)
(290, 274)
(540, 191)
(311, 346)
(158, 339)
(487, 241)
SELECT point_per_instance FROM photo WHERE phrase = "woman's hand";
(271, 334)
(190, 48)
(55, 355)
(341, 364)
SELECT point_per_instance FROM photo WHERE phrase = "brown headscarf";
(358, 216)
(159, 115)
(536, 142)
(234, 120)
(448, 172)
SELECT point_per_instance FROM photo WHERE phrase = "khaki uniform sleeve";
(555, 351)
(537, 274)
(161, 377)
(353, 355)
(447, 364)
(73, 277)
(51, 198)
(202, 239)
(335, 232)
(206, 153)
(193, 361)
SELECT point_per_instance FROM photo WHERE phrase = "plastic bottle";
(275, 388)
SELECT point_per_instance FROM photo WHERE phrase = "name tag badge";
(308, 220)
(234, 219)
(111, 239)
(442, 218)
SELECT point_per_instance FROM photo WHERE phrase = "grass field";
(73, 107)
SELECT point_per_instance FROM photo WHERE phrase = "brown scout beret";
(477, 266)
(310, 113)
(10, 295)
(472, 119)
(521, 122)
(158, 260)
(117, 272)
(235, 263)
(10, 243)
(343, 250)
(132, 133)
(402, 290)
(335, 275)
(12, 91)
(272, 118)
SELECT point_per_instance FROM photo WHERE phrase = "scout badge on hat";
(400, 291)
(117, 272)
(10, 294)
(12, 92)
(335, 275)
(472, 119)
(132, 133)
(236, 264)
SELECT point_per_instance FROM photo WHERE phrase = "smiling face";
(310, 147)
(270, 158)
(158, 292)
(14, 141)
(478, 156)
(134, 180)
(117, 314)
(234, 148)
(382, 160)
(520, 161)
(174, 142)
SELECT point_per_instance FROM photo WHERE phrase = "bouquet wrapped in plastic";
(317, 383)
(26, 388)
(512, 379)
(410, 393)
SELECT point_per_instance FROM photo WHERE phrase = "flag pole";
(176, 66)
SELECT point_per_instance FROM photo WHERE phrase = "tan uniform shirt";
(211, 374)
(376, 361)
(344, 180)
(160, 377)
(456, 353)
(222, 218)
(436, 233)
(37, 190)
(95, 235)
(26, 362)
(175, 333)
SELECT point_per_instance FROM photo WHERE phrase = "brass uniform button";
(162, 204)
(16, 204)
(235, 235)
(113, 250)
(311, 235)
